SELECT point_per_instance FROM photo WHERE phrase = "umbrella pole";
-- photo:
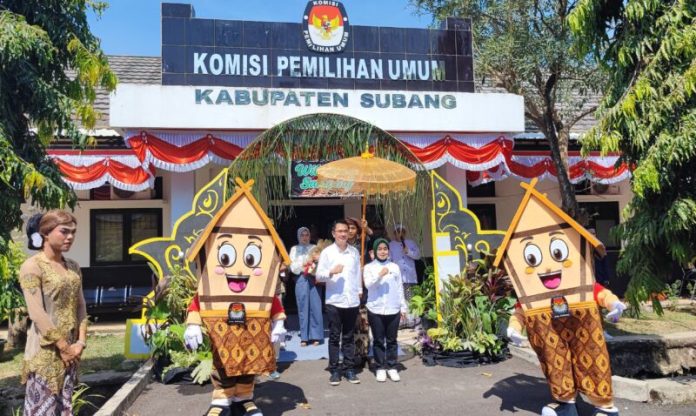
(362, 232)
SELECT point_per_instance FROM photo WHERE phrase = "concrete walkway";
(511, 387)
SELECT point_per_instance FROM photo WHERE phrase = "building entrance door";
(319, 220)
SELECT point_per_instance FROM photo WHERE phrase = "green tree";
(524, 47)
(649, 115)
(50, 67)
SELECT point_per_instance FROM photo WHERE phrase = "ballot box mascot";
(238, 257)
(549, 258)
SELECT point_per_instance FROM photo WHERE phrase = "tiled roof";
(581, 126)
(129, 70)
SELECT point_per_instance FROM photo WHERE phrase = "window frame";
(127, 214)
(611, 207)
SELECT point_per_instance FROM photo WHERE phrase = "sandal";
(315, 343)
(303, 344)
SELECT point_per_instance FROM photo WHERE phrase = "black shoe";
(351, 377)
(215, 410)
(335, 379)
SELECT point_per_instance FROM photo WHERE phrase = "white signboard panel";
(193, 107)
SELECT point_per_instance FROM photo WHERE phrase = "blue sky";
(132, 27)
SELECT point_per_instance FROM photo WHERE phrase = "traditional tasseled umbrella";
(368, 175)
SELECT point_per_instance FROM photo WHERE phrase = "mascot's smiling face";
(239, 263)
(544, 261)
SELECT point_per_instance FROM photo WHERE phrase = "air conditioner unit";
(603, 189)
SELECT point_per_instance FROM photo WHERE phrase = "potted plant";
(474, 307)
(167, 313)
(12, 306)
(422, 301)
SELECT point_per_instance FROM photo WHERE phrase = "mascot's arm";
(194, 315)
(277, 310)
(517, 319)
(604, 297)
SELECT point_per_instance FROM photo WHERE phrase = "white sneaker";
(381, 376)
(393, 375)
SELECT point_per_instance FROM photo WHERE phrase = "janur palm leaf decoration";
(329, 137)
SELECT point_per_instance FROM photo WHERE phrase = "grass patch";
(104, 352)
(652, 324)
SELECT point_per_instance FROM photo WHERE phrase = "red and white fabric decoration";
(484, 153)
(598, 169)
(486, 157)
(88, 170)
(190, 153)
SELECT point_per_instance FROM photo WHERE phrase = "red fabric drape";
(462, 152)
(96, 171)
(190, 153)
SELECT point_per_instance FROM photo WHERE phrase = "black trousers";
(384, 331)
(341, 327)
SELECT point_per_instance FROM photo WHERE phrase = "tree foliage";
(524, 46)
(50, 68)
(649, 115)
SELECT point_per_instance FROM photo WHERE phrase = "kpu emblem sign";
(325, 26)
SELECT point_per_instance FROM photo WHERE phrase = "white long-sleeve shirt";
(385, 295)
(342, 289)
(406, 262)
(298, 257)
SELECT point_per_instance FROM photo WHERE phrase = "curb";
(127, 394)
(662, 390)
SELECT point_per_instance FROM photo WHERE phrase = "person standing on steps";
(404, 252)
(306, 292)
(339, 268)
(385, 305)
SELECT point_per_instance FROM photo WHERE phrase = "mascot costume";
(238, 258)
(548, 257)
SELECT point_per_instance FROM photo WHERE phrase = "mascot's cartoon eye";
(252, 255)
(227, 255)
(559, 250)
(532, 255)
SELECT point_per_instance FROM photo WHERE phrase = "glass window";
(108, 243)
(485, 214)
(113, 231)
(603, 216)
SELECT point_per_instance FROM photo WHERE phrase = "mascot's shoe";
(600, 411)
(215, 410)
(248, 408)
(559, 409)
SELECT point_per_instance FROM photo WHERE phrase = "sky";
(132, 27)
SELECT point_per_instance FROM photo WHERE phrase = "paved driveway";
(512, 387)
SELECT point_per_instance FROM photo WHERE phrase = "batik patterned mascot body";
(238, 257)
(549, 258)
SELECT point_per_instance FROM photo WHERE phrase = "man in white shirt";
(404, 252)
(339, 268)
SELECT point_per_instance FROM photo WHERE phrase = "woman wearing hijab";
(385, 305)
(306, 291)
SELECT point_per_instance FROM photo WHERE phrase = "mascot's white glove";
(193, 337)
(515, 336)
(617, 309)
(278, 331)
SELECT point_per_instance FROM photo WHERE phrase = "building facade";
(174, 121)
